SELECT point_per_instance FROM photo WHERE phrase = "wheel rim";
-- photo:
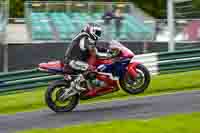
(55, 96)
(137, 82)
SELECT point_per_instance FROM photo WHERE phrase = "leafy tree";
(16, 8)
(196, 3)
(156, 8)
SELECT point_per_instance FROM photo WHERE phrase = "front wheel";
(139, 84)
(54, 91)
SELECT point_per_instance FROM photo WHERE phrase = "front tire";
(57, 105)
(138, 85)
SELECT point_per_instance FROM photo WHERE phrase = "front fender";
(131, 68)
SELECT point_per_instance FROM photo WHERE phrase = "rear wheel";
(53, 100)
(139, 84)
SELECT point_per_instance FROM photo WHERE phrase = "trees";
(16, 8)
(196, 3)
(156, 8)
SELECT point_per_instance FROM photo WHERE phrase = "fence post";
(5, 57)
(170, 18)
(3, 41)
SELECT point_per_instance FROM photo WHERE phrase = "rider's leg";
(79, 68)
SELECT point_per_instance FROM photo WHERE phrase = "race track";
(145, 107)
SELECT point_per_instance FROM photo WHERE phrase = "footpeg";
(68, 93)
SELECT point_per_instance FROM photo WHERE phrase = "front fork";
(74, 88)
(131, 68)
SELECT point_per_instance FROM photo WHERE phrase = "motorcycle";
(112, 74)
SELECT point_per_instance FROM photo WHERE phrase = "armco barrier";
(168, 62)
(157, 63)
(179, 54)
(179, 61)
(22, 80)
(21, 75)
(1, 57)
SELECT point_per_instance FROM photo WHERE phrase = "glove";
(92, 68)
(114, 52)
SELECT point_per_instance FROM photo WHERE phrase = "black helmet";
(94, 30)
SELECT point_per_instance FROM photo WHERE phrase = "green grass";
(184, 123)
(34, 100)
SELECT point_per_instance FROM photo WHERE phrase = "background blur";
(156, 8)
(29, 27)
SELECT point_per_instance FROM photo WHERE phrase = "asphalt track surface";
(140, 108)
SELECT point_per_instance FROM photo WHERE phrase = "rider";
(82, 46)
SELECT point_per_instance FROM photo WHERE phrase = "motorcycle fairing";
(52, 67)
(117, 68)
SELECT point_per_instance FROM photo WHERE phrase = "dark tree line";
(196, 3)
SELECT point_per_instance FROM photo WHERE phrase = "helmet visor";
(98, 33)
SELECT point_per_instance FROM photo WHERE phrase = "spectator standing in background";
(118, 21)
(108, 17)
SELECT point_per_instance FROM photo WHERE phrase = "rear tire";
(60, 84)
(143, 71)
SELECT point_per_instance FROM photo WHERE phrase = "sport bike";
(120, 71)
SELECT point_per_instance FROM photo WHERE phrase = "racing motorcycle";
(112, 74)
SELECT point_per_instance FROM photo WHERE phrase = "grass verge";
(34, 100)
(182, 123)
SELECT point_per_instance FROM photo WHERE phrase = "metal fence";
(72, 8)
(185, 30)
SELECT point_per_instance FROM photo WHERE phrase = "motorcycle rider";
(83, 45)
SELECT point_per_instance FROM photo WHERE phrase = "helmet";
(94, 30)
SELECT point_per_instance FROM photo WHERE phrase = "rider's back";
(74, 51)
